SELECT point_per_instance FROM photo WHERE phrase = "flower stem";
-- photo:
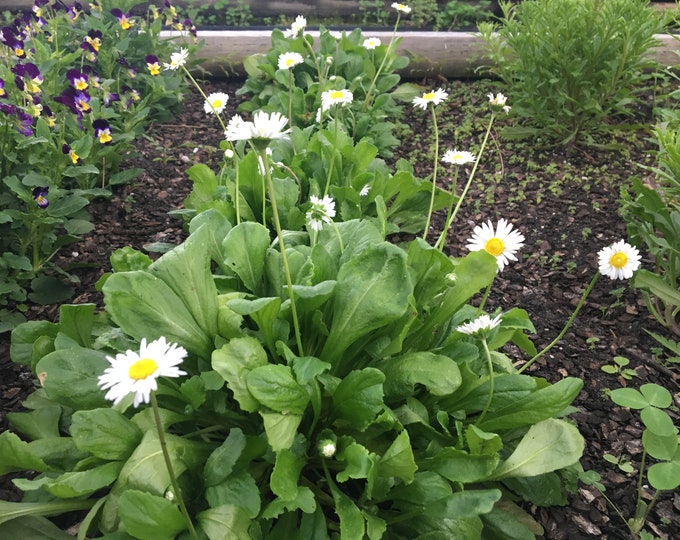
(282, 247)
(168, 466)
(581, 303)
(442, 237)
(489, 366)
(434, 173)
(367, 99)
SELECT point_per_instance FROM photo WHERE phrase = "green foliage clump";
(571, 66)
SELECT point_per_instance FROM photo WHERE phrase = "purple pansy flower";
(40, 196)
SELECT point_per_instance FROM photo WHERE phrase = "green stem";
(168, 466)
(484, 298)
(282, 247)
(332, 165)
(367, 99)
(442, 237)
(489, 366)
(581, 303)
(290, 97)
(434, 173)
(200, 90)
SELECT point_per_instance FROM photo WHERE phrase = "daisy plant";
(619, 260)
(432, 99)
(496, 103)
(137, 373)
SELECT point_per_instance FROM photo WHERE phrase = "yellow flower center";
(494, 246)
(217, 103)
(429, 96)
(337, 94)
(290, 62)
(618, 260)
(142, 368)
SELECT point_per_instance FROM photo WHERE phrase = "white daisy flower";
(290, 60)
(401, 7)
(435, 97)
(136, 372)
(364, 190)
(215, 103)
(264, 126)
(498, 101)
(458, 157)
(335, 97)
(502, 243)
(371, 43)
(322, 211)
(481, 325)
(299, 24)
(619, 260)
(177, 60)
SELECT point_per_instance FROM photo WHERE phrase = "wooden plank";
(450, 54)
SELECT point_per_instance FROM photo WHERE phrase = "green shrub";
(571, 66)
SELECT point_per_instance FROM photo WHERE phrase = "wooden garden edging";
(450, 54)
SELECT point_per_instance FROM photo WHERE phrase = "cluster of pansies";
(75, 90)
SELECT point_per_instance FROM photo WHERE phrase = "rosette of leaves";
(325, 157)
(336, 63)
(382, 378)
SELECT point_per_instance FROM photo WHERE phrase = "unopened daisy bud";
(228, 153)
(327, 448)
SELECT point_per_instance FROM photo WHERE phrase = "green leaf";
(466, 504)
(535, 407)
(482, 443)
(220, 463)
(77, 484)
(658, 421)
(49, 290)
(275, 387)
(656, 395)
(76, 322)
(16, 455)
(359, 462)
(24, 337)
(665, 476)
(145, 470)
(661, 447)
(239, 489)
(186, 270)
(70, 377)
(150, 516)
(146, 307)
(507, 521)
(440, 374)
(234, 361)
(11, 510)
(549, 445)
(42, 423)
(284, 479)
(105, 433)
(398, 460)
(629, 397)
(226, 522)
(281, 429)
(654, 284)
(459, 466)
(352, 525)
(246, 246)
(359, 397)
(372, 290)
(32, 528)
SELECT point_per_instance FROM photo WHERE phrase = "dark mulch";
(565, 204)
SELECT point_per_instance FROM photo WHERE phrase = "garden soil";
(564, 201)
